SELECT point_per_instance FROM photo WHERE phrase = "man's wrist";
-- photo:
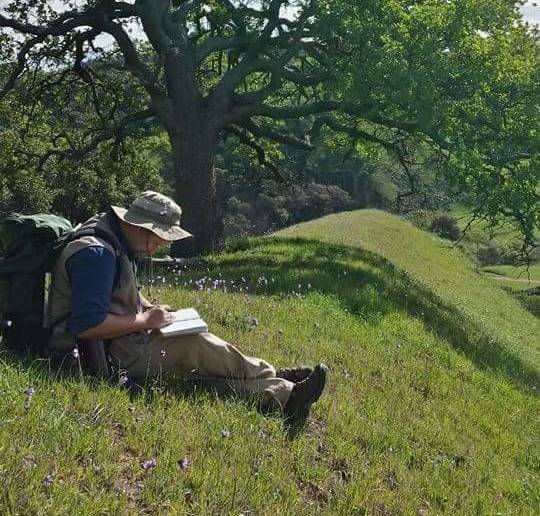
(141, 322)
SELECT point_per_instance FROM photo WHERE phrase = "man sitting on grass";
(95, 296)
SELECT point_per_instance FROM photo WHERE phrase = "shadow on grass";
(192, 388)
(366, 285)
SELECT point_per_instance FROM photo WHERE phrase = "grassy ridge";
(435, 264)
(430, 408)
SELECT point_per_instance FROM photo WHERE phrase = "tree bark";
(193, 159)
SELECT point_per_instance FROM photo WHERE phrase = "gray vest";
(124, 297)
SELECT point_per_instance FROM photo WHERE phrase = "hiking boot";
(294, 374)
(304, 394)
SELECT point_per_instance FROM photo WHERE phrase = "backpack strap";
(99, 233)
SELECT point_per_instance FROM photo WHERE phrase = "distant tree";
(459, 75)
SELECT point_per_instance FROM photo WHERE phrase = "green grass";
(514, 278)
(431, 404)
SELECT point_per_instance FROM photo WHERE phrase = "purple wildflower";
(48, 481)
(149, 464)
(30, 391)
(184, 463)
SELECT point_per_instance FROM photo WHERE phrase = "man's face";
(146, 242)
(153, 242)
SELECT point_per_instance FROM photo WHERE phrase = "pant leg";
(201, 355)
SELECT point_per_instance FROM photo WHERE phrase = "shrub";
(489, 254)
(421, 218)
(446, 226)
(278, 207)
(310, 201)
(236, 225)
(496, 254)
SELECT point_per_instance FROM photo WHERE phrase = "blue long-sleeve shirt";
(93, 272)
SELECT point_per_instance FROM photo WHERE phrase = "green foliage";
(464, 73)
(73, 188)
(399, 81)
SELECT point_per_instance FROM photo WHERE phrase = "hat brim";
(164, 231)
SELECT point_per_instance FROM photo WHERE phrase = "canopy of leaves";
(459, 76)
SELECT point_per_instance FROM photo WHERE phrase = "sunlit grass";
(431, 405)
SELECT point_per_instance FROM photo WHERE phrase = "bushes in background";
(274, 209)
(446, 226)
(443, 224)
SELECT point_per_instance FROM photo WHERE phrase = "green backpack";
(29, 248)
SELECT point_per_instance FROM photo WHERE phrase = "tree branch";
(21, 63)
(80, 39)
(112, 132)
(244, 138)
(354, 132)
(131, 57)
(152, 16)
(223, 91)
(266, 132)
(188, 7)
(220, 43)
(57, 27)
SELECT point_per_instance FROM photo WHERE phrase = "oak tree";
(460, 76)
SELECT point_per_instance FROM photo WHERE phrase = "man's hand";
(157, 317)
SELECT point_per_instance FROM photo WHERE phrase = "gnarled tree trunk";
(195, 190)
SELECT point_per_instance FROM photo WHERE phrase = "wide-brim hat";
(155, 212)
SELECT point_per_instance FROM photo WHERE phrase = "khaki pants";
(145, 356)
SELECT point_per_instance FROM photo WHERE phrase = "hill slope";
(434, 263)
(430, 408)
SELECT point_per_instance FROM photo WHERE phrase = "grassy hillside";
(431, 406)
(436, 265)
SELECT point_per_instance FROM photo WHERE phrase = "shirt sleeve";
(91, 273)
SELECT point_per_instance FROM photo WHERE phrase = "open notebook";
(187, 322)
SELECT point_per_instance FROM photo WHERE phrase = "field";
(431, 408)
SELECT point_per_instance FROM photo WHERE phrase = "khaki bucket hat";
(155, 212)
